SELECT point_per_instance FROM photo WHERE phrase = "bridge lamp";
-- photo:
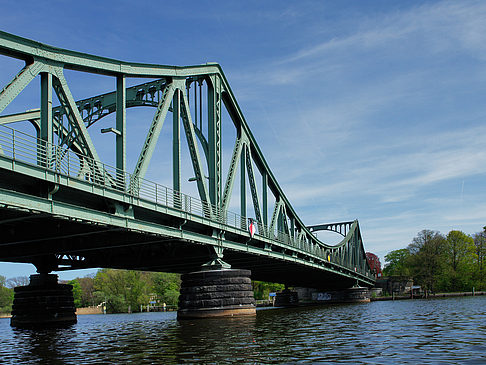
(112, 130)
(191, 179)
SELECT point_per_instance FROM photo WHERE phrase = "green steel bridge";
(62, 208)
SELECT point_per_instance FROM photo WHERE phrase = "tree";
(87, 291)
(453, 263)
(167, 287)
(396, 263)
(459, 255)
(261, 289)
(77, 292)
(427, 258)
(480, 258)
(123, 290)
(17, 281)
(6, 296)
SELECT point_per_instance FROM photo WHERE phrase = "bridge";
(63, 208)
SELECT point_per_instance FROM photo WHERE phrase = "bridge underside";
(75, 237)
(56, 242)
(59, 241)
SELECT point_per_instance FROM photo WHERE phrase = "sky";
(368, 110)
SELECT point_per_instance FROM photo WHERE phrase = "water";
(451, 330)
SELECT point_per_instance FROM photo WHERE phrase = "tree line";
(123, 290)
(442, 263)
(7, 292)
(126, 290)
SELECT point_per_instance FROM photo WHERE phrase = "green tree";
(87, 291)
(459, 257)
(6, 296)
(480, 259)
(77, 293)
(396, 263)
(123, 289)
(427, 258)
(261, 289)
(167, 287)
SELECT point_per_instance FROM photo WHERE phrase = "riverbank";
(430, 296)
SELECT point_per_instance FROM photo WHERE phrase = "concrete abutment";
(351, 295)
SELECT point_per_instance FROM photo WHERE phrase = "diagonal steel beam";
(253, 185)
(230, 179)
(66, 99)
(153, 133)
(283, 216)
(19, 82)
(193, 149)
(275, 215)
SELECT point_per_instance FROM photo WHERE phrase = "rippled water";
(449, 330)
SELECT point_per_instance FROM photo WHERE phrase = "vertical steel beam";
(121, 127)
(214, 139)
(121, 119)
(265, 197)
(176, 147)
(46, 133)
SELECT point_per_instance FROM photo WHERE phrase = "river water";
(451, 330)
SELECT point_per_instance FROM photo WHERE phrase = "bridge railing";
(20, 146)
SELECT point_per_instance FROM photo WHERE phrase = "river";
(450, 330)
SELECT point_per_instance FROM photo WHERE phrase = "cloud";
(401, 176)
(438, 31)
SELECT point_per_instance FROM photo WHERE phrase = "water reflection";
(43, 346)
(425, 331)
(211, 339)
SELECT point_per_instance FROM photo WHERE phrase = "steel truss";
(197, 97)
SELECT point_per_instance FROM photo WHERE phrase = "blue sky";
(372, 110)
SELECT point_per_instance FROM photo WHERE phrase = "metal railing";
(20, 146)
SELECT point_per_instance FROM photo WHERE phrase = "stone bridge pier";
(43, 303)
(216, 291)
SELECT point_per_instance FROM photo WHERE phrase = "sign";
(251, 227)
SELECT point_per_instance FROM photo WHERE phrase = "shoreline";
(430, 296)
(375, 299)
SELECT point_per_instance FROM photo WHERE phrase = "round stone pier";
(43, 303)
(216, 293)
(357, 295)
